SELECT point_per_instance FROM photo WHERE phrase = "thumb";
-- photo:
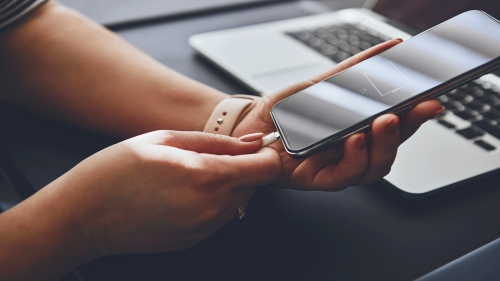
(214, 144)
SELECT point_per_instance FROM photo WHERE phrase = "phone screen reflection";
(423, 62)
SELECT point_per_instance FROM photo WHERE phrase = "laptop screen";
(424, 14)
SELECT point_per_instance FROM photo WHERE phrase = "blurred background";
(113, 12)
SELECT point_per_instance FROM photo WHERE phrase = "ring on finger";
(241, 213)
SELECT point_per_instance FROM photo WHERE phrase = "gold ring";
(241, 213)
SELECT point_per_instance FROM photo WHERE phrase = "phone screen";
(423, 62)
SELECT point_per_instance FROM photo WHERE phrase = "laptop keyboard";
(477, 102)
(339, 42)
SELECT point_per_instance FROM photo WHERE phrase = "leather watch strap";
(229, 113)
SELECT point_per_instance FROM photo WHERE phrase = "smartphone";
(427, 65)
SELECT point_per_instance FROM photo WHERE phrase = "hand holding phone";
(354, 162)
(430, 64)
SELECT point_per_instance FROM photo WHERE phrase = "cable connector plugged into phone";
(270, 139)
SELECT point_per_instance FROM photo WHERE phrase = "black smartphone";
(427, 65)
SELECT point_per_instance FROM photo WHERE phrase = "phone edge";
(397, 109)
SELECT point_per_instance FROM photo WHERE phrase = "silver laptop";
(462, 144)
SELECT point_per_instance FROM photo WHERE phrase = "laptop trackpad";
(275, 80)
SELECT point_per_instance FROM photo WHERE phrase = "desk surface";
(362, 233)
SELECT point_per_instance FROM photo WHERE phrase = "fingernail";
(400, 39)
(436, 114)
(361, 142)
(251, 137)
(393, 127)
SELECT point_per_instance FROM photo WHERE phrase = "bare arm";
(41, 238)
(63, 65)
(158, 192)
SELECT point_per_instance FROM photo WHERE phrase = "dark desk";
(362, 233)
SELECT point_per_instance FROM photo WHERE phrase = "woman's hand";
(167, 190)
(162, 191)
(358, 161)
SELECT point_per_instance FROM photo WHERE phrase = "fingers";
(249, 170)
(388, 133)
(224, 160)
(335, 168)
(424, 111)
(212, 143)
(383, 148)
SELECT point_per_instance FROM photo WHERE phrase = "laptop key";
(353, 30)
(465, 114)
(341, 56)
(315, 42)
(457, 95)
(474, 105)
(497, 106)
(475, 89)
(485, 145)
(492, 114)
(354, 50)
(466, 87)
(332, 28)
(302, 35)
(485, 97)
(446, 124)
(365, 36)
(329, 50)
(354, 40)
(365, 46)
(333, 40)
(344, 45)
(342, 34)
(375, 41)
(322, 33)
(470, 133)
(448, 103)
(490, 127)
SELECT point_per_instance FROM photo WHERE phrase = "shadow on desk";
(263, 246)
(363, 233)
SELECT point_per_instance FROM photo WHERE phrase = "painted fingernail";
(361, 142)
(251, 137)
(393, 127)
(437, 113)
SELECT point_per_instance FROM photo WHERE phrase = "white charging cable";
(270, 139)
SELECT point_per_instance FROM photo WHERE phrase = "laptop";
(460, 145)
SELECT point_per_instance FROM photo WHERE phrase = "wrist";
(228, 113)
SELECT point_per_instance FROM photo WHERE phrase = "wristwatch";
(229, 113)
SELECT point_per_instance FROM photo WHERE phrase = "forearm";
(63, 65)
(40, 238)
